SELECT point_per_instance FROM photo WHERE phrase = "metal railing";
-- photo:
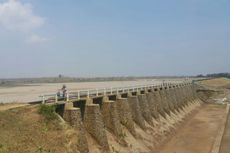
(88, 93)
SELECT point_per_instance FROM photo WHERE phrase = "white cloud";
(35, 39)
(17, 16)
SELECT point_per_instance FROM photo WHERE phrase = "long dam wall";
(132, 121)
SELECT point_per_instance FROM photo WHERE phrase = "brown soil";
(23, 130)
(4, 107)
(199, 133)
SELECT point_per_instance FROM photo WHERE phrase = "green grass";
(48, 111)
(3, 149)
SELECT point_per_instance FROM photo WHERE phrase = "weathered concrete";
(145, 108)
(169, 100)
(73, 117)
(68, 105)
(125, 115)
(157, 99)
(95, 126)
(164, 101)
(136, 111)
(153, 104)
(111, 118)
(172, 95)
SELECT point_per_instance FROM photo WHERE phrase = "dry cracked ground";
(24, 130)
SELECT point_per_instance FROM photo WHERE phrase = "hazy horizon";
(96, 77)
(113, 38)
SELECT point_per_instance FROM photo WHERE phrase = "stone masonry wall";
(73, 117)
(153, 104)
(136, 111)
(111, 118)
(169, 100)
(125, 115)
(95, 126)
(164, 101)
(160, 104)
(145, 108)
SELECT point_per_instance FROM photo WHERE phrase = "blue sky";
(88, 38)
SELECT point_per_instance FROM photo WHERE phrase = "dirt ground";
(199, 133)
(4, 107)
(225, 143)
(23, 130)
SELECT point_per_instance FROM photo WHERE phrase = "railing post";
(43, 99)
(56, 98)
(67, 97)
(111, 90)
(78, 94)
(88, 94)
(104, 91)
(96, 92)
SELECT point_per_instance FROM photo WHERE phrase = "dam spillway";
(152, 111)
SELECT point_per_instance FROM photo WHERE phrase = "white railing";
(79, 94)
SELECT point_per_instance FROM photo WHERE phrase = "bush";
(48, 111)
(3, 149)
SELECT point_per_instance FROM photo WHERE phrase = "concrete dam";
(126, 119)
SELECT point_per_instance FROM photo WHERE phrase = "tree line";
(215, 75)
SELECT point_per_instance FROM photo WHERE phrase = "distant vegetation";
(215, 75)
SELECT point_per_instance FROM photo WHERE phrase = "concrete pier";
(125, 115)
(164, 101)
(95, 126)
(111, 118)
(136, 111)
(153, 104)
(73, 117)
(158, 101)
(145, 108)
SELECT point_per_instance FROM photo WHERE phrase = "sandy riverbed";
(30, 93)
